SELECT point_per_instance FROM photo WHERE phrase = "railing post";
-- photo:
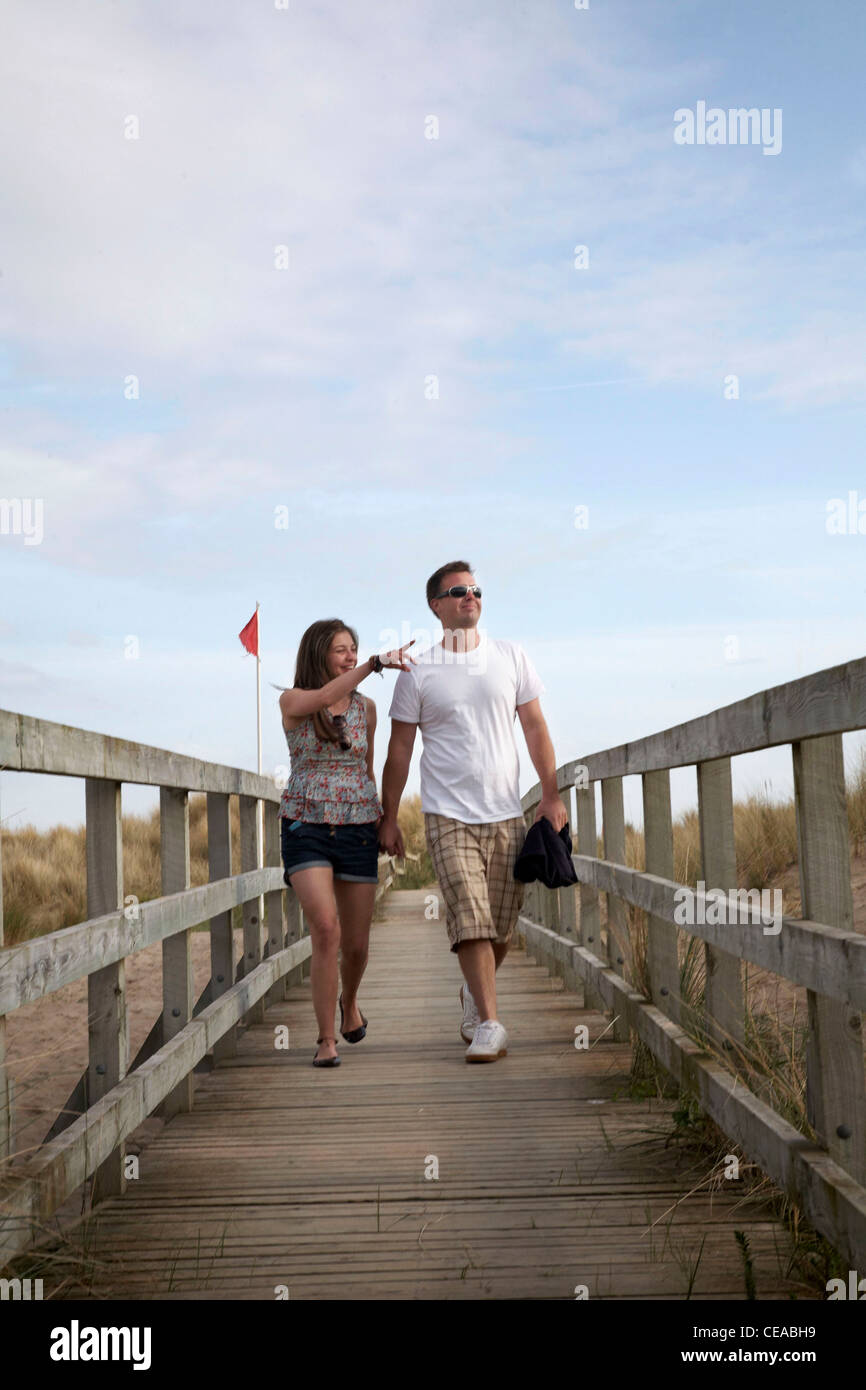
(294, 932)
(275, 917)
(107, 1024)
(531, 907)
(566, 899)
(306, 965)
(294, 919)
(550, 907)
(835, 1092)
(222, 956)
(252, 952)
(568, 896)
(7, 1126)
(177, 973)
(664, 970)
(723, 995)
(618, 943)
(590, 914)
(546, 899)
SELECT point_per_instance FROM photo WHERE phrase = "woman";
(330, 815)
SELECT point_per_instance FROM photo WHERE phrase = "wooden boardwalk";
(549, 1176)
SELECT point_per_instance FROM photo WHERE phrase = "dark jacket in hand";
(546, 856)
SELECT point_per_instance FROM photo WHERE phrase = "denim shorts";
(352, 851)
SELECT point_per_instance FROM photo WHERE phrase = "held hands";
(396, 661)
(391, 838)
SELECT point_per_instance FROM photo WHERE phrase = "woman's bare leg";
(314, 888)
(355, 910)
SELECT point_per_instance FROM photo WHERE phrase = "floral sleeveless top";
(329, 784)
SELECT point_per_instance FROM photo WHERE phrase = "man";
(463, 694)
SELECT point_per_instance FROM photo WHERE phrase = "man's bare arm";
(540, 747)
(393, 781)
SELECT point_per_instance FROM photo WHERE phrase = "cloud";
(405, 253)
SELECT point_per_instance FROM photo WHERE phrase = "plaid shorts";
(474, 866)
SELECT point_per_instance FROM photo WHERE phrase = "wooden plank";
(42, 964)
(831, 1199)
(275, 911)
(549, 907)
(664, 971)
(75, 1105)
(618, 942)
(532, 901)
(568, 899)
(545, 900)
(545, 1179)
(832, 701)
(296, 930)
(724, 1014)
(107, 1023)
(835, 1089)
(252, 922)
(589, 925)
(219, 853)
(294, 924)
(804, 952)
(7, 1120)
(41, 1185)
(38, 745)
(177, 973)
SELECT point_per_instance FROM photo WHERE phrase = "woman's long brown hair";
(311, 668)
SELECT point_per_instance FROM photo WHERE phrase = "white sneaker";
(488, 1043)
(471, 1018)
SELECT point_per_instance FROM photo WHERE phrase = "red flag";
(249, 635)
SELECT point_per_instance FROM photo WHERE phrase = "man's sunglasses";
(460, 591)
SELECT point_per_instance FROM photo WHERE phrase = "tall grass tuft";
(856, 789)
(416, 873)
(44, 875)
(771, 1061)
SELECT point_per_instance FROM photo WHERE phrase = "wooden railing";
(819, 951)
(86, 1141)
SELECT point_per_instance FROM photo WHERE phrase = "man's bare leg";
(479, 961)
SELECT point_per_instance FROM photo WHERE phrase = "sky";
(298, 303)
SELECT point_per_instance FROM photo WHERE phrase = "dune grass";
(44, 878)
(772, 1058)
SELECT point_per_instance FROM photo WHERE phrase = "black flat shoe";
(325, 1061)
(357, 1033)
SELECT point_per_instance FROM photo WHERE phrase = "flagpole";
(260, 822)
(259, 687)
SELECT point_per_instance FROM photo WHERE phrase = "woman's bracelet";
(376, 665)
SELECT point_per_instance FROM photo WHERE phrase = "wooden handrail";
(821, 951)
(276, 953)
(37, 745)
(42, 964)
(828, 702)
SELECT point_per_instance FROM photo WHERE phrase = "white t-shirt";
(466, 705)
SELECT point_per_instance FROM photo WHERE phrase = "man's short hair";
(434, 583)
